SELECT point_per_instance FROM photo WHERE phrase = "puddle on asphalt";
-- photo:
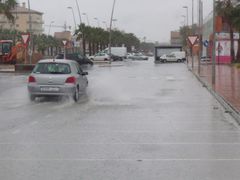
(170, 78)
(166, 92)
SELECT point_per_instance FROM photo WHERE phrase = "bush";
(237, 65)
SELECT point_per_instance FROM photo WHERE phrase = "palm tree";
(80, 32)
(6, 7)
(225, 10)
(131, 40)
(98, 38)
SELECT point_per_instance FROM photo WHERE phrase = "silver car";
(57, 77)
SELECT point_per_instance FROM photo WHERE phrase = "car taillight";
(31, 79)
(71, 80)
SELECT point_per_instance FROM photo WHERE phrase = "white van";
(117, 51)
(177, 56)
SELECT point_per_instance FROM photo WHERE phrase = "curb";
(16, 68)
(7, 68)
(227, 106)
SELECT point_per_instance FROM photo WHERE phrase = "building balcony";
(36, 22)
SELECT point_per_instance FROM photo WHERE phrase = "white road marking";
(108, 144)
(139, 160)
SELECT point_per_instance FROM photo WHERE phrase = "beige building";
(176, 38)
(21, 14)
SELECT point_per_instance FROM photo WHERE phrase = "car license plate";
(49, 89)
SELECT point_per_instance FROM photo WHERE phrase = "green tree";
(131, 40)
(147, 47)
(44, 42)
(6, 7)
(98, 38)
(184, 32)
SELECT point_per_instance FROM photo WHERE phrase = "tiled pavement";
(227, 81)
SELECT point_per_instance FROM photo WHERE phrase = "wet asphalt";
(137, 121)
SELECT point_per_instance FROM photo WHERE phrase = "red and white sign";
(64, 42)
(25, 38)
(192, 39)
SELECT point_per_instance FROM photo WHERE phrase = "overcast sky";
(153, 19)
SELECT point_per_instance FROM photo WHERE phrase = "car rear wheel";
(76, 95)
(32, 97)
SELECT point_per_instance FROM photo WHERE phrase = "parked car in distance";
(137, 56)
(82, 60)
(55, 77)
(205, 58)
(116, 58)
(117, 51)
(129, 55)
(178, 56)
(100, 57)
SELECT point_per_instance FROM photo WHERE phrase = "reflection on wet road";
(137, 120)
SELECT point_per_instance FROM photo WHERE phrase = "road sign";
(64, 42)
(25, 38)
(206, 43)
(192, 39)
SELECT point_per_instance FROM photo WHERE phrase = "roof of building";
(175, 34)
(24, 9)
(66, 35)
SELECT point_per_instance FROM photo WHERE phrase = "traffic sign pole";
(192, 40)
(25, 38)
(64, 43)
(214, 47)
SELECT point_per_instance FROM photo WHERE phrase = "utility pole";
(110, 30)
(79, 13)
(192, 32)
(214, 46)
(199, 34)
(31, 33)
(186, 7)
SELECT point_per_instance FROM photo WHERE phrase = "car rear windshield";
(52, 68)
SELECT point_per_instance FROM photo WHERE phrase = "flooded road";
(137, 121)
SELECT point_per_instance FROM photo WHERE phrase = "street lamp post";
(186, 7)
(73, 16)
(214, 46)
(192, 32)
(80, 18)
(50, 25)
(110, 30)
(192, 14)
(114, 24)
(97, 21)
(200, 34)
(85, 14)
(30, 31)
(184, 20)
(104, 22)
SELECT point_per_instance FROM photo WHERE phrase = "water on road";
(137, 121)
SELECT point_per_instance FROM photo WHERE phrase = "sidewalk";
(227, 84)
(7, 68)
